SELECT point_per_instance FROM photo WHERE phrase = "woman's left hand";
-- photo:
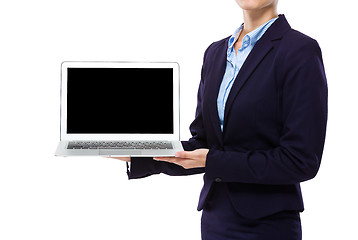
(187, 159)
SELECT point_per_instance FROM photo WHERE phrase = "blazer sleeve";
(144, 167)
(141, 167)
(304, 115)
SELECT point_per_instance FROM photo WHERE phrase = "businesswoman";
(259, 129)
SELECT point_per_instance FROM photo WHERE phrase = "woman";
(259, 129)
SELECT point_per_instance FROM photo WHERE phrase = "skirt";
(220, 221)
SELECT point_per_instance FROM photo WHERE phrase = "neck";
(255, 18)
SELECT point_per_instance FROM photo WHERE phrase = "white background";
(47, 197)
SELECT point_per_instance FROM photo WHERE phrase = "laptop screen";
(120, 100)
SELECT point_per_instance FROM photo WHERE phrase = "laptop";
(119, 109)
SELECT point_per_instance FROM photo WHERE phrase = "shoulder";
(220, 43)
(298, 57)
(295, 42)
(297, 50)
(216, 46)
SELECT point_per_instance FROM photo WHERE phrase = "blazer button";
(218, 179)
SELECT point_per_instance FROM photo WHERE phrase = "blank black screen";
(120, 100)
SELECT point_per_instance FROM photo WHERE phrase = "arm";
(304, 117)
(141, 167)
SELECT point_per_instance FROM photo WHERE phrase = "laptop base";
(62, 151)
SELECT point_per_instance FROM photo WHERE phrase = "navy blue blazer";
(274, 124)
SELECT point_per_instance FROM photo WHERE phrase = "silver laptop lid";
(119, 101)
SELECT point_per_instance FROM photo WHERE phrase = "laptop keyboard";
(119, 145)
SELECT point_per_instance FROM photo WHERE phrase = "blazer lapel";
(260, 50)
(251, 62)
(212, 89)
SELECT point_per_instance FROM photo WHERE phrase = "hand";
(126, 159)
(187, 159)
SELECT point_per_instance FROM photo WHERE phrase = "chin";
(251, 5)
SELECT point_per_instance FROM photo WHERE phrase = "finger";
(127, 159)
(187, 163)
(165, 159)
(177, 161)
(184, 154)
